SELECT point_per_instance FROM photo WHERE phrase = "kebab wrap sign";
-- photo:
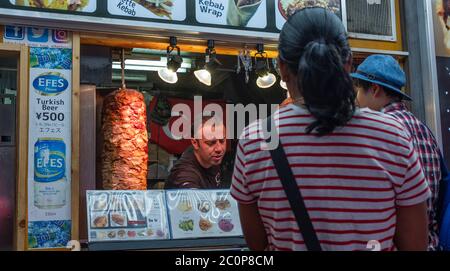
(236, 13)
(172, 10)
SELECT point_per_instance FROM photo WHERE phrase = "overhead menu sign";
(249, 13)
(253, 18)
(67, 5)
(171, 10)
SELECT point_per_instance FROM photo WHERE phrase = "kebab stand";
(97, 124)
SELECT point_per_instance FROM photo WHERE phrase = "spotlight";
(283, 85)
(266, 79)
(204, 76)
(211, 63)
(169, 74)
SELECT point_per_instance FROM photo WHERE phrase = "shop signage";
(159, 215)
(127, 215)
(202, 213)
(253, 18)
(49, 134)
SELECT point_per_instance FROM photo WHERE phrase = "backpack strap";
(294, 195)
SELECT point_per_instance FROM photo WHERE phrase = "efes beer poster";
(68, 5)
(171, 10)
(49, 133)
(49, 155)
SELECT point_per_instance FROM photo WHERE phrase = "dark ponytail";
(314, 45)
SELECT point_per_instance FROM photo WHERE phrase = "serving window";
(109, 115)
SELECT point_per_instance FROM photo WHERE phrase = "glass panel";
(8, 94)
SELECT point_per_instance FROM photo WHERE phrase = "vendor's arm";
(183, 178)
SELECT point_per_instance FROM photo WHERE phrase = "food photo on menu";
(124, 215)
(240, 12)
(286, 8)
(69, 5)
(169, 10)
(202, 214)
(237, 13)
(289, 7)
(161, 8)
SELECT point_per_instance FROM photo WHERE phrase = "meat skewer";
(125, 148)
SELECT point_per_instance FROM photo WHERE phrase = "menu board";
(251, 18)
(68, 5)
(127, 215)
(172, 10)
(285, 8)
(240, 13)
(202, 213)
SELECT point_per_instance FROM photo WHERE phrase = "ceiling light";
(169, 73)
(204, 76)
(266, 79)
(211, 63)
(283, 85)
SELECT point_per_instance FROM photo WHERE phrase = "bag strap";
(294, 195)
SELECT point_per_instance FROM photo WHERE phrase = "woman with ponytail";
(355, 170)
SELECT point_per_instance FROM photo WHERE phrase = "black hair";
(314, 45)
(366, 85)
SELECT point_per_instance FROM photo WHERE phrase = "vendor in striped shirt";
(358, 172)
(379, 80)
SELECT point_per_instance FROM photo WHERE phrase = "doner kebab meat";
(125, 148)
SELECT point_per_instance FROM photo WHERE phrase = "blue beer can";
(49, 173)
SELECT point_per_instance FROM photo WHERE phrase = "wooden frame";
(75, 195)
(20, 222)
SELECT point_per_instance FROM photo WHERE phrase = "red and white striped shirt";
(351, 180)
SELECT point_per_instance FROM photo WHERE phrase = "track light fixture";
(266, 79)
(211, 63)
(174, 61)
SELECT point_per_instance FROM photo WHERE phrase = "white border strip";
(376, 51)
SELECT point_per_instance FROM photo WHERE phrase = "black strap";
(294, 195)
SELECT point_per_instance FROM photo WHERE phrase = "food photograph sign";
(285, 8)
(203, 214)
(127, 215)
(240, 13)
(67, 5)
(172, 10)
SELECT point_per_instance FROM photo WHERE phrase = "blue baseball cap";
(382, 70)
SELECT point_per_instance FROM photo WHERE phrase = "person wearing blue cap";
(379, 81)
